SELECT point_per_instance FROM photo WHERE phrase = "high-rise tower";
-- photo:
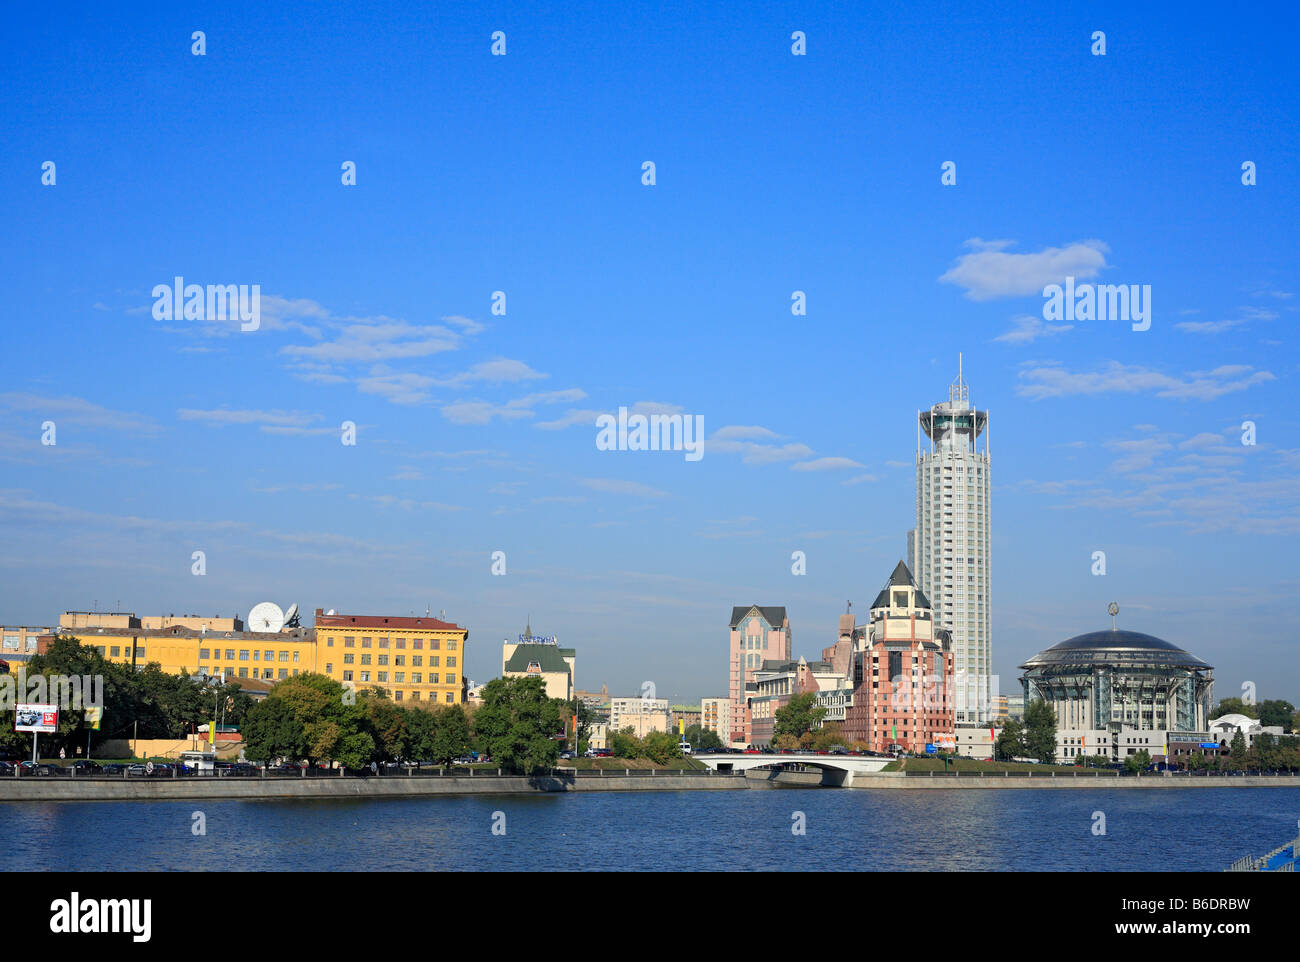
(952, 540)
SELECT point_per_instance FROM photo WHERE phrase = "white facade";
(715, 716)
(953, 536)
(624, 711)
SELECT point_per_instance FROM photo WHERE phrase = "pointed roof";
(901, 578)
(773, 615)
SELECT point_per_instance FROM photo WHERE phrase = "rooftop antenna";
(1113, 609)
(849, 609)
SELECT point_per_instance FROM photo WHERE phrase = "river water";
(958, 830)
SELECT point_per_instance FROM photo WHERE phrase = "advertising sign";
(930, 749)
(36, 718)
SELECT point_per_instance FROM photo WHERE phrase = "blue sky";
(774, 173)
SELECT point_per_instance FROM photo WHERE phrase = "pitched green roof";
(549, 657)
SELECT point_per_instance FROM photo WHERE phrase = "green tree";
(1276, 712)
(1138, 762)
(1237, 752)
(386, 724)
(800, 715)
(1235, 706)
(1010, 742)
(785, 743)
(272, 731)
(1040, 731)
(335, 727)
(451, 734)
(517, 724)
(661, 747)
(624, 743)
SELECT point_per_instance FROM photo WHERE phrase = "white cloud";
(989, 271)
(1026, 328)
(826, 464)
(1051, 380)
(631, 488)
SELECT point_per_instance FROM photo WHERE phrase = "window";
(284, 656)
(284, 673)
(348, 658)
(450, 698)
(365, 642)
(416, 678)
(417, 660)
(347, 676)
(451, 661)
(329, 668)
(365, 659)
(435, 661)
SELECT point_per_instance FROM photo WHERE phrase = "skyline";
(775, 174)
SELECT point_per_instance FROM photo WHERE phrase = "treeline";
(317, 720)
(137, 701)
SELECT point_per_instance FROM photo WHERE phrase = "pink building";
(758, 633)
(902, 673)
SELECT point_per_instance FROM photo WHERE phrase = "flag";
(212, 733)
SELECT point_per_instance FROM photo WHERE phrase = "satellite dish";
(266, 617)
(291, 616)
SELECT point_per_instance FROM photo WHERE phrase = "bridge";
(839, 768)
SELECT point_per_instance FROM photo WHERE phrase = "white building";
(952, 541)
(643, 715)
(1225, 728)
(715, 716)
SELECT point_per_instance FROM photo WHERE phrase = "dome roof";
(1115, 647)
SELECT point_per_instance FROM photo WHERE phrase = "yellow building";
(270, 656)
(414, 659)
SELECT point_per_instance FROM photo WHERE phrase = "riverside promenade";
(253, 788)
(112, 788)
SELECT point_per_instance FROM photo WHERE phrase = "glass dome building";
(1118, 679)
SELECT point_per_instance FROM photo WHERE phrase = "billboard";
(36, 718)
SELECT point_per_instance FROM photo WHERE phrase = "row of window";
(399, 677)
(244, 655)
(381, 677)
(400, 660)
(264, 674)
(417, 644)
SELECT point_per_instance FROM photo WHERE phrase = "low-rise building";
(542, 657)
(19, 642)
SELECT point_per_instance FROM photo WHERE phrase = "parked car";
(33, 768)
(85, 767)
(113, 769)
(566, 754)
(6, 769)
(137, 770)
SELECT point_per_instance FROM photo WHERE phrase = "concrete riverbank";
(251, 789)
(172, 789)
(992, 780)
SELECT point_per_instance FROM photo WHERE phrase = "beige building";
(715, 716)
(18, 644)
(534, 655)
(642, 715)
